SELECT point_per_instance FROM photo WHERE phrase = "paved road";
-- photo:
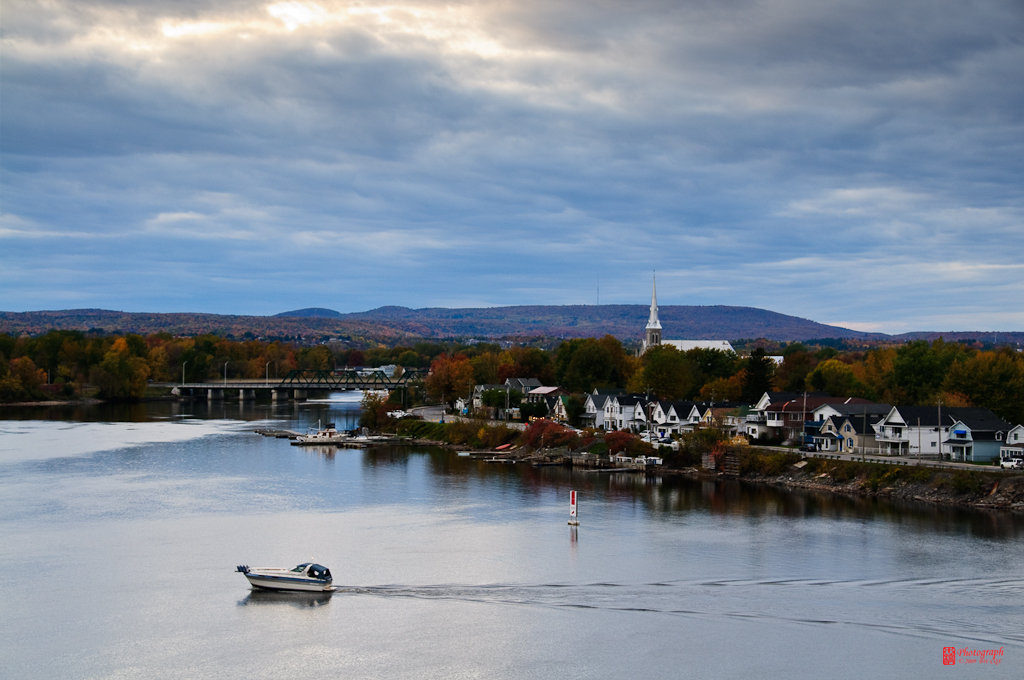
(890, 460)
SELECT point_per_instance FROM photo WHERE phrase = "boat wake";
(987, 615)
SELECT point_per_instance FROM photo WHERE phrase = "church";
(652, 333)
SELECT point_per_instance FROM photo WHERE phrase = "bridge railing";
(350, 379)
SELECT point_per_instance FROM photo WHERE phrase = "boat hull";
(307, 577)
(279, 582)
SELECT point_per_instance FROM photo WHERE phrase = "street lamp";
(268, 371)
(183, 372)
(226, 372)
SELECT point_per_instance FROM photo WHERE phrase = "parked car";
(808, 447)
(1011, 463)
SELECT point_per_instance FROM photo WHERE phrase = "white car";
(1009, 463)
(397, 414)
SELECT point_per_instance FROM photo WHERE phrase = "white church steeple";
(652, 336)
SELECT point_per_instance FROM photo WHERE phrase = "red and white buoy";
(573, 521)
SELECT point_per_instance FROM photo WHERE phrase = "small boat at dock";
(322, 435)
(307, 576)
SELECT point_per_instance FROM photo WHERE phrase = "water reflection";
(288, 598)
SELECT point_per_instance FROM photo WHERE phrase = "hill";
(390, 325)
(622, 321)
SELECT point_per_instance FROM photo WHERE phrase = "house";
(594, 408)
(627, 412)
(791, 419)
(543, 393)
(976, 436)
(522, 385)
(724, 415)
(847, 434)
(756, 421)
(846, 428)
(665, 418)
(947, 433)
(1013, 444)
(478, 394)
(558, 408)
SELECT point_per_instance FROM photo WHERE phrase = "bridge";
(300, 384)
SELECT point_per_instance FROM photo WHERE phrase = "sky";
(853, 162)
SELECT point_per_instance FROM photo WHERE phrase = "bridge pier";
(246, 394)
(299, 395)
(214, 394)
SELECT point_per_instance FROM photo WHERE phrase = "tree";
(586, 363)
(757, 376)
(450, 378)
(525, 362)
(991, 379)
(834, 377)
(797, 362)
(375, 410)
(920, 368)
(121, 375)
(664, 372)
(485, 368)
(724, 389)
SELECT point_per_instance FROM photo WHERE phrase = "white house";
(594, 414)
(1013, 445)
(949, 433)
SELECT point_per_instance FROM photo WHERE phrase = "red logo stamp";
(949, 656)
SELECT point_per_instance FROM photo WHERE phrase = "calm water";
(120, 531)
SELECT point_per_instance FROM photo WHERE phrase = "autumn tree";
(525, 362)
(920, 368)
(585, 363)
(450, 378)
(797, 363)
(374, 411)
(123, 373)
(835, 378)
(724, 389)
(485, 368)
(665, 373)
(994, 379)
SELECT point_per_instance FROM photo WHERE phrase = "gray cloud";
(802, 156)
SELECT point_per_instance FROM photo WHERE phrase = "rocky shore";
(983, 490)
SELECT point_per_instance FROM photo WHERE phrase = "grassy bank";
(456, 433)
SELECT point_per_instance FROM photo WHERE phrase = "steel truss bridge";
(299, 384)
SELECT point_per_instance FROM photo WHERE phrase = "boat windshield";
(319, 571)
(301, 568)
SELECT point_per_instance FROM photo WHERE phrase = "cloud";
(797, 155)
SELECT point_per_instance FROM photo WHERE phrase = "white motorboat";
(322, 435)
(306, 576)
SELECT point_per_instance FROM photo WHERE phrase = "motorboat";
(322, 435)
(307, 576)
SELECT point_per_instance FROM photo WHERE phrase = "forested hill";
(391, 324)
(622, 321)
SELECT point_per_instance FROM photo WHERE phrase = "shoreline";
(971, 489)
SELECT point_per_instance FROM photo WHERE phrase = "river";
(120, 529)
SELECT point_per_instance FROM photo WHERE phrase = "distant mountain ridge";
(394, 324)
